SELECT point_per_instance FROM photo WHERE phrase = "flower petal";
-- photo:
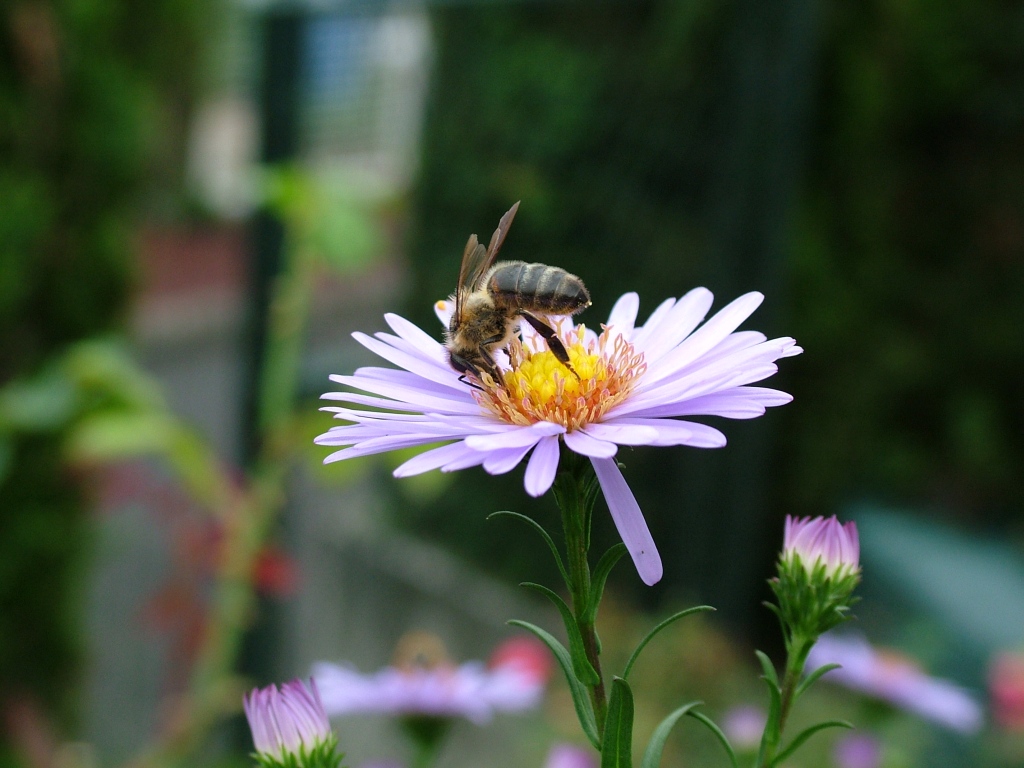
(588, 445)
(622, 434)
(505, 460)
(658, 339)
(629, 520)
(673, 432)
(514, 437)
(540, 472)
(433, 459)
(623, 314)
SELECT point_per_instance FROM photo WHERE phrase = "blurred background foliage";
(94, 98)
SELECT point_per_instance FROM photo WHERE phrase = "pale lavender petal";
(417, 337)
(422, 399)
(629, 520)
(433, 459)
(419, 364)
(377, 445)
(514, 437)
(677, 324)
(736, 403)
(540, 471)
(585, 444)
(641, 333)
(501, 461)
(705, 338)
(623, 314)
(622, 434)
(672, 432)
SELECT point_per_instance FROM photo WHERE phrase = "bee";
(491, 299)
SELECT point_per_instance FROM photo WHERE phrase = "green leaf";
(580, 696)
(650, 635)
(544, 534)
(600, 576)
(119, 435)
(40, 404)
(581, 665)
(700, 717)
(813, 678)
(769, 669)
(617, 748)
(804, 735)
(652, 755)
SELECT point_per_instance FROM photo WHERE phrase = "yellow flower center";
(537, 387)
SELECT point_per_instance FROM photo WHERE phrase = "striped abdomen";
(536, 288)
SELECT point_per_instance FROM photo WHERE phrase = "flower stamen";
(538, 387)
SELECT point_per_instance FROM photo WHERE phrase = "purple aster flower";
(570, 756)
(857, 750)
(897, 679)
(635, 383)
(744, 725)
(291, 721)
(471, 690)
(824, 540)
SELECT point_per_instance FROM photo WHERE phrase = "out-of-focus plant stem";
(212, 691)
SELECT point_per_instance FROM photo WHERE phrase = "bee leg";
(554, 343)
(464, 380)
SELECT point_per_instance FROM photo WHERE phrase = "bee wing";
(499, 234)
(476, 260)
(474, 263)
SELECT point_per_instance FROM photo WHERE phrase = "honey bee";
(490, 300)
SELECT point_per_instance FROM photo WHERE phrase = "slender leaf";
(617, 748)
(769, 669)
(581, 665)
(813, 678)
(652, 755)
(544, 534)
(601, 572)
(804, 735)
(656, 630)
(702, 718)
(580, 696)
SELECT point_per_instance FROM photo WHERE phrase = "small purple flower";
(633, 385)
(895, 678)
(570, 756)
(744, 725)
(823, 540)
(291, 721)
(857, 750)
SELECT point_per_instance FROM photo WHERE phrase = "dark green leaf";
(604, 567)
(702, 718)
(768, 668)
(814, 677)
(617, 748)
(581, 665)
(652, 755)
(544, 534)
(804, 735)
(580, 696)
(657, 629)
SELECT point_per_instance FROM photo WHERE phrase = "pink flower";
(744, 725)
(289, 721)
(897, 679)
(1006, 689)
(634, 383)
(822, 540)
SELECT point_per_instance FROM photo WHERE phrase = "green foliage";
(92, 103)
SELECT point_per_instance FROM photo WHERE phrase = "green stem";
(799, 648)
(574, 492)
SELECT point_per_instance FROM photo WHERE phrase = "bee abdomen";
(538, 288)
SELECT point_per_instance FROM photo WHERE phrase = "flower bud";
(818, 570)
(290, 728)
